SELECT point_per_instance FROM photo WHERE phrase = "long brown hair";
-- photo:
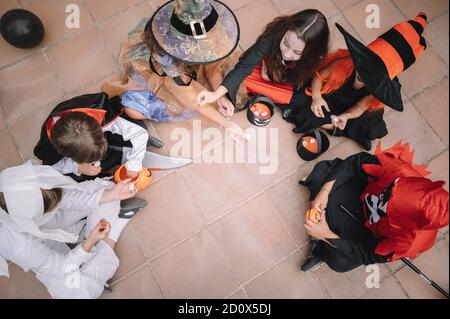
(311, 27)
(51, 198)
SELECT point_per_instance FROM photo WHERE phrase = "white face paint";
(291, 47)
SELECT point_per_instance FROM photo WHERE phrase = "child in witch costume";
(75, 138)
(350, 87)
(41, 211)
(280, 63)
(374, 209)
(187, 46)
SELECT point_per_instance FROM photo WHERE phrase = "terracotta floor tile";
(433, 105)
(235, 4)
(253, 238)
(27, 85)
(2, 121)
(291, 201)
(389, 289)
(53, 15)
(155, 4)
(170, 216)
(240, 294)
(129, 253)
(252, 20)
(231, 184)
(436, 33)
(115, 30)
(101, 9)
(21, 285)
(285, 281)
(389, 16)
(81, 60)
(432, 8)
(428, 70)
(336, 39)
(27, 131)
(282, 156)
(139, 285)
(439, 168)
(12, 54)
(410, 127)
(349, 285)
(6, 5)
(195, 269)
(344, 4)
(434, 263)
(188, 139)
(10, 156)
(348, 148)
(327, 7)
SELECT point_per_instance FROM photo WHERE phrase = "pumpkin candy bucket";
(142, 181)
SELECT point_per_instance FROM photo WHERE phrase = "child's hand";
(100, 232)
(124, 190)
(340, 121)
(317, 104)
(319, 230)
(226, 107)
(89, 169)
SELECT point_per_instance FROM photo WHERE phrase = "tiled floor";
(222, 230)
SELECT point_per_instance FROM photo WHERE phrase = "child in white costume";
(36, 240)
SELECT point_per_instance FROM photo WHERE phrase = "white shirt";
(129, 132)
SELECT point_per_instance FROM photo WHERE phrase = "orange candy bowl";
(142, 181)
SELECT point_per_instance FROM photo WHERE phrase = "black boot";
(314, 260)
(131, 205)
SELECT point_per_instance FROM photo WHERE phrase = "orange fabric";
(98, 115)
(279, 93)
(421, 20)
(410, 35)
(391, 58)
(342, 69)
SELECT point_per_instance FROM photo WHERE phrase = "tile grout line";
(147, 261)
(314, 274)
(52, 70)
(210, 231)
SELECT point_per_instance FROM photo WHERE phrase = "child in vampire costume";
(74, 151)
(378, 208)
(350, 87)
(41, 211)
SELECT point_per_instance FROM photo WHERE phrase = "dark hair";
(310, 26)
(51, 198)
(79, 136)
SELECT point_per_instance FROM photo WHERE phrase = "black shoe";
(154, 142)
(313, 261)
(129, 207)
